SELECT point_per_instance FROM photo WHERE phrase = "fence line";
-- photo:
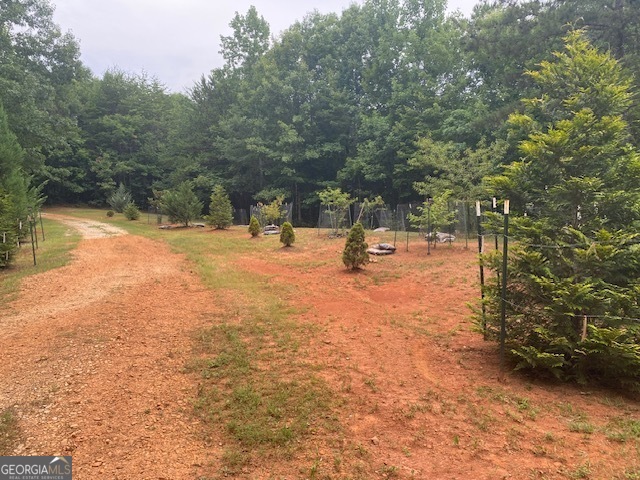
(559, 247)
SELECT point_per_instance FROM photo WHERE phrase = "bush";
(131, 212)
(287, 235)
(181, 204)
(254, 226)
(110, 213)
(120, 199)
(220, 209)
(355, 251)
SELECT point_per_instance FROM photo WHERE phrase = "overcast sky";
(175, 41)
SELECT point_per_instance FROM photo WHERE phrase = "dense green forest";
(359, 100)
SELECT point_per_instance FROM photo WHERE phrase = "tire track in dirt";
(93, 359)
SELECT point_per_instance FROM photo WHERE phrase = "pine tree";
(131, 212)
(182, 204)
(574, 269)
(355, 250)
(120, 199)
(220, 209)
(254, 226)
(287, 235)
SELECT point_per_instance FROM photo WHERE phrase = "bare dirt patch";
(93, 356)
(93, 359)
(422, 392)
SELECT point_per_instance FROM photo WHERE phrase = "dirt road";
(93, 357)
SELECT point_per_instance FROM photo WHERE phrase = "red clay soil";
(423, 392)
(93, 364)
(93, 361)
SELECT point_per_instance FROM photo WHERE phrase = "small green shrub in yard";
(254, 226)
(131, 212)
(355, 251)
(287, 235)
(110, 213)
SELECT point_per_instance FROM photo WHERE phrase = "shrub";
(220, 210)
(110, 213)
(131, 212)
(287, 235)
(182, 204)
(120, 199)
(355, 251)
(254, 226)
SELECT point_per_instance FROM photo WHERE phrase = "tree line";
(383, 99)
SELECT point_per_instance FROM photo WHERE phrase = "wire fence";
(266, 217)
(24, 233)
(502, 281)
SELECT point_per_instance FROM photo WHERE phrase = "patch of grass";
(265, 411)
(389, 471)
(630, 473)
(371, 383)
(523, 405)
(579, 426)
(9, 432)
(53, 252)
(622, 430)
(581, 471)
(479, 418)
(254, 382)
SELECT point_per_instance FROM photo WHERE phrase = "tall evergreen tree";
(574, 271)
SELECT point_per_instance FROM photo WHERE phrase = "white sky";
(175, 41)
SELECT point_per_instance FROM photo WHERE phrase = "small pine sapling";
(254, 226)
(355, 250)
(131, 212)
(287, 235)
(220, 210)
(120, 199)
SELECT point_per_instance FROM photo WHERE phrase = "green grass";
(52, 253)
(579, 426)
(9, 432)
(623, 430)
(255, 385)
